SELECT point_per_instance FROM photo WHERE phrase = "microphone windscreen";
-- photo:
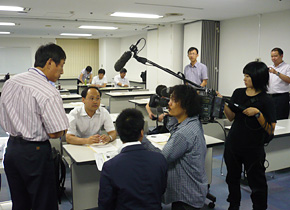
(122, 61)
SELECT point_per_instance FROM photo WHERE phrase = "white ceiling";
(49, 18)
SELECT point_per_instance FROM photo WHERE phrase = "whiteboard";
(14, 60)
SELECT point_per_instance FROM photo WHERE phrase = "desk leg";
(85, 186)
(208, 169)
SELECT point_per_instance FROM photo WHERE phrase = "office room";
(228, 36)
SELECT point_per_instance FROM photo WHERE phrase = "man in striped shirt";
(31, 111)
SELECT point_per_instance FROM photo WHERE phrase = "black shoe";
(233, 207)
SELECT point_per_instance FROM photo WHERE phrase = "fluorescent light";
(4, 32)
(6, 24)
(11, 8)
(99, 27)
(71, 34)
(135, 15)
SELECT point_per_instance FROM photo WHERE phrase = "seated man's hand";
(105, 139)
(93, 139)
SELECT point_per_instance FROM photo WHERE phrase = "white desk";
(69, 106)
(64, 92)
(104, 90)
(71, 98)
(120, 100)
(278, 150)
(85, 176)
(140, 105)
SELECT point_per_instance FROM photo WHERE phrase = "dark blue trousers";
(30, 173)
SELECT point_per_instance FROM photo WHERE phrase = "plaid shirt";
(185, 153)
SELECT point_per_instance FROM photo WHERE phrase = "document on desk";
(159, 138)
(103, 153)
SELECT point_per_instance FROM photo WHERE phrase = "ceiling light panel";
(72, 34)
(135, 15)
(6, 24)
(99, 27)
(11, 8)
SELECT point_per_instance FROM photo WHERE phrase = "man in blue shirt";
(195, 71)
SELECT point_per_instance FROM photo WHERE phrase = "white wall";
(192, 38)
(133, 67)
(32, 43)
(165, 49)
(239, 45)
(109, 53)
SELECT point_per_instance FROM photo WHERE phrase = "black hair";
(259, 73)
(191, 49)
(279, 50)
(101, 71)
(159, 88)
(129, 124)
(188, 98)
(45, 52)
(123, 70)
(89, 69)
(85, 91)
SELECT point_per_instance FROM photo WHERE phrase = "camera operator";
(185, 151)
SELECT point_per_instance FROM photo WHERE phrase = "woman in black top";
(245, 142)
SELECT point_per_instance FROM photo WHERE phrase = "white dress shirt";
(276, 84)
(118, 79)
(98, 81)
(83, 126)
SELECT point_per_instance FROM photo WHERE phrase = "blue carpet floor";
(278, 185)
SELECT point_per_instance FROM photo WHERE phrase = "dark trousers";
(281, 102)
(254, 166)
(30, 173)
(182, 206)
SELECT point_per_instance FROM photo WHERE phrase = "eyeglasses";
(94, 99)
(192, 54)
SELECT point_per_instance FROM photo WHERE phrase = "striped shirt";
(31, 107)
(185, 153)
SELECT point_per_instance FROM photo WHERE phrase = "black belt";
(20, 139)
(279, 94)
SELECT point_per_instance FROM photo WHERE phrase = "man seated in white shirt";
(85, 122)
(100, 80)
(121, 80)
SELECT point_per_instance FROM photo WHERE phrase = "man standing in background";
(86, 74)
(279, 84)
(195, 71)
(31, 111)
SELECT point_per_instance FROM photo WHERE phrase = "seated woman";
(185, 151)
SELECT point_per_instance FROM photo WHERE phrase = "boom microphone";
(122, 61)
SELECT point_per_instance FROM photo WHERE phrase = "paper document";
(103, 153)
(278, 127)
(158, 138)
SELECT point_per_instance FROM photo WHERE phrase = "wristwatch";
(278, 73)
(258, 115)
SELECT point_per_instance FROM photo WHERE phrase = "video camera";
(212, 106)
(161, 98)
